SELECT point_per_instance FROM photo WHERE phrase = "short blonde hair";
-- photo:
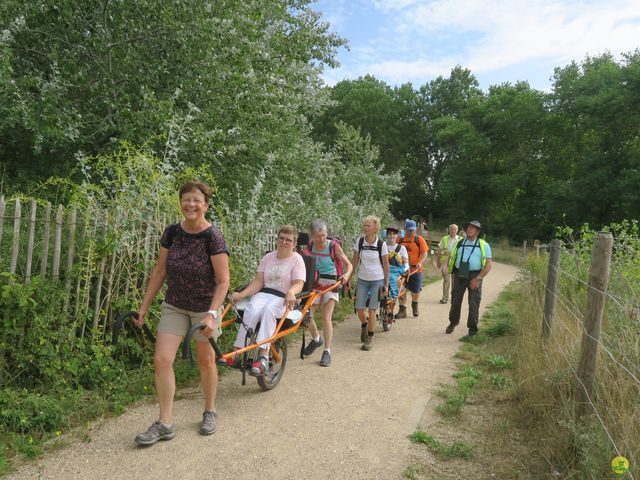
(374, 219)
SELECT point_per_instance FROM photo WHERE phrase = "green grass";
(456, 449)
(500, 381)
(499, 362)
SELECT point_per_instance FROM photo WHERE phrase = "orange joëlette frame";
(310, 298)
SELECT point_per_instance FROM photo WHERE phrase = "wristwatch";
(214, 314)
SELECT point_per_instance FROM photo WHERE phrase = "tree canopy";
(521, 160)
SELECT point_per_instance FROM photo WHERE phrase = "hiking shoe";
(157, 431)
(368, 344)
(450, 328)
(472, 333)
(442, 300)
(402, 312)
(260, 366)
(209, 423)
(414, 307)
(325, 361)
(309, 349)
(363, 334)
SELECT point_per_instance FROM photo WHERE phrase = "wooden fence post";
(551, 288)
(45, 241)
(598, 282)
(32, 233)
(71, 249)
(57, 245)
(16, 238)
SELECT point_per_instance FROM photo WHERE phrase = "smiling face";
(286, 243)
(193, 205)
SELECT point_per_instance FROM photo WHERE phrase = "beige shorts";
(332, 295)
(176, 321)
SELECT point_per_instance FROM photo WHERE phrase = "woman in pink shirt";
(280, 276)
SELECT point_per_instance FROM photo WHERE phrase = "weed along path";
(350, 420)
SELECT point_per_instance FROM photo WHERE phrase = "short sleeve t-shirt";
(279, 274)
(370, 266)
(191, 280)
(415, 249)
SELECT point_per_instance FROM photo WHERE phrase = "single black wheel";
(384, 311)
(270, 380)
(388, 323)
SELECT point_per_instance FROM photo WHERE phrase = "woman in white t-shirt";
(371, 256)
(280, 276)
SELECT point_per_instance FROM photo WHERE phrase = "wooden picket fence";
(100, 256)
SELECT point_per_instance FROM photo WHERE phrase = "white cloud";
(402, 72)
(416, 40)
(516, 31)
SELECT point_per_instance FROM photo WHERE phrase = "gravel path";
(350, 420)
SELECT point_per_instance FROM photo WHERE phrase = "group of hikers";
(193, 260)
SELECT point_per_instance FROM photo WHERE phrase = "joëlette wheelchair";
(289, 323)
(386, 313)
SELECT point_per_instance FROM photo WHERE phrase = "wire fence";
(597, 325)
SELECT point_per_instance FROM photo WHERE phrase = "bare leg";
(208, 374)
(165, 353)
(313, 329)
(372, 320)
(327, 325)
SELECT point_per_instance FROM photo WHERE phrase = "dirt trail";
(347, 421)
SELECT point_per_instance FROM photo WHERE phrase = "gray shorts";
(176, 321)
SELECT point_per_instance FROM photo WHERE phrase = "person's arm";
(345, 262)
(154, 285)
(220, 263)
(483, 273)
(356, 259)
(254, 287)
(290, 297)
(405, 259)
(385, 268)
(423, 255)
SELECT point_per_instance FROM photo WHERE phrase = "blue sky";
(415, 41)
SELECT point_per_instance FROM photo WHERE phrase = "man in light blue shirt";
(470, 262)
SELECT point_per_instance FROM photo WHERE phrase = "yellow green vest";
(483, 254)
(445, 243)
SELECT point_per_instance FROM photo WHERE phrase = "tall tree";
(222, 82)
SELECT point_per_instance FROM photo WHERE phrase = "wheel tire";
(277, 369)
(389, 321)
(384, 313)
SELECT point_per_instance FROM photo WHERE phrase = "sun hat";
(392, 229)
(475, 223)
